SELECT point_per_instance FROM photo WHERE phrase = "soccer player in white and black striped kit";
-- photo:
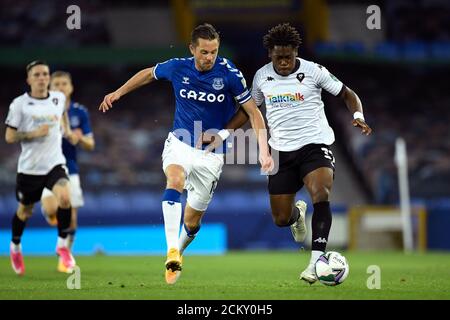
(35, 120)
(291, 89)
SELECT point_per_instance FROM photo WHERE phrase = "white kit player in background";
(34, 120)
(291, 89)
(206, 89)
(79, 134)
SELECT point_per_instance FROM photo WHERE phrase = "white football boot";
(309, 274)
(298, 228)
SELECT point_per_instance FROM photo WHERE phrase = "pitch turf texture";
(236, 275)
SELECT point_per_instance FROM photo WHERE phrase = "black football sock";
(17, 228)
(63, 216)
(321, 225)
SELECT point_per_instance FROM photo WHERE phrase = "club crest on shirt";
(218, 83)
(74, 121)
(55, 101)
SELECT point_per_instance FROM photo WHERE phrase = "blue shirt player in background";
(79, 134)
(206, 89)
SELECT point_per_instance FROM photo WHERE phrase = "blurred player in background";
(35, 119)
(206, 88)
(79, 134)
(291, 89)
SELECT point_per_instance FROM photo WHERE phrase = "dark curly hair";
(282, 35)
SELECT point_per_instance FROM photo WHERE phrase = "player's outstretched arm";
(138, 80)
(354, 105)
(86, 142)
(239, 119)
(13, 136)
(67, 130)
(258, 124)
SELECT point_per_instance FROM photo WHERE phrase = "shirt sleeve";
(63, 103)
(328, 81)
(238, 85)
(164, 70)
(257, 94)
(85, 124)
(14, 115)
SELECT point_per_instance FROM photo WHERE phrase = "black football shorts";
(293, 166)
(29, 187)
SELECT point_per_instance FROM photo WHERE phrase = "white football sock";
(172, 218)
(185, 240)
(315, 254)
(16, 247)
(61, 242)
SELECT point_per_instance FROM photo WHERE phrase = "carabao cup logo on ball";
(331, 268)
(201, 96)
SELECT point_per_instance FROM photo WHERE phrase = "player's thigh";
(176, 159)
(76, 193)
(317, 169)
(319, 183)
(281, 205)
(49, 201)
(29, 188)
(203, 180)
(24, 212)
(58, 181)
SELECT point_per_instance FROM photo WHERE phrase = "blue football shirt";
(79, 119)
(204, 99)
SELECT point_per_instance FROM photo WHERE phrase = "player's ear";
(192, 48)
(70, 89)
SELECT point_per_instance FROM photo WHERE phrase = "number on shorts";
(328, 154)
(213, 186)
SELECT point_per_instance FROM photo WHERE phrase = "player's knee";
(175, 182)
(281, 220)
(191, 226)
(321, 194)
(25, 213)
(64, 200)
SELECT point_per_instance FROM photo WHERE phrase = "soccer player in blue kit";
(78, 135)
(206, 89)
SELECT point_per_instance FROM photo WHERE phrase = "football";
(331, 268)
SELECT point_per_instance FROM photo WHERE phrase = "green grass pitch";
(237, 275)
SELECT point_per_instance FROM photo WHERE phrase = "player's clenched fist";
(266, 161)
(42, 131)
(108, 101)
